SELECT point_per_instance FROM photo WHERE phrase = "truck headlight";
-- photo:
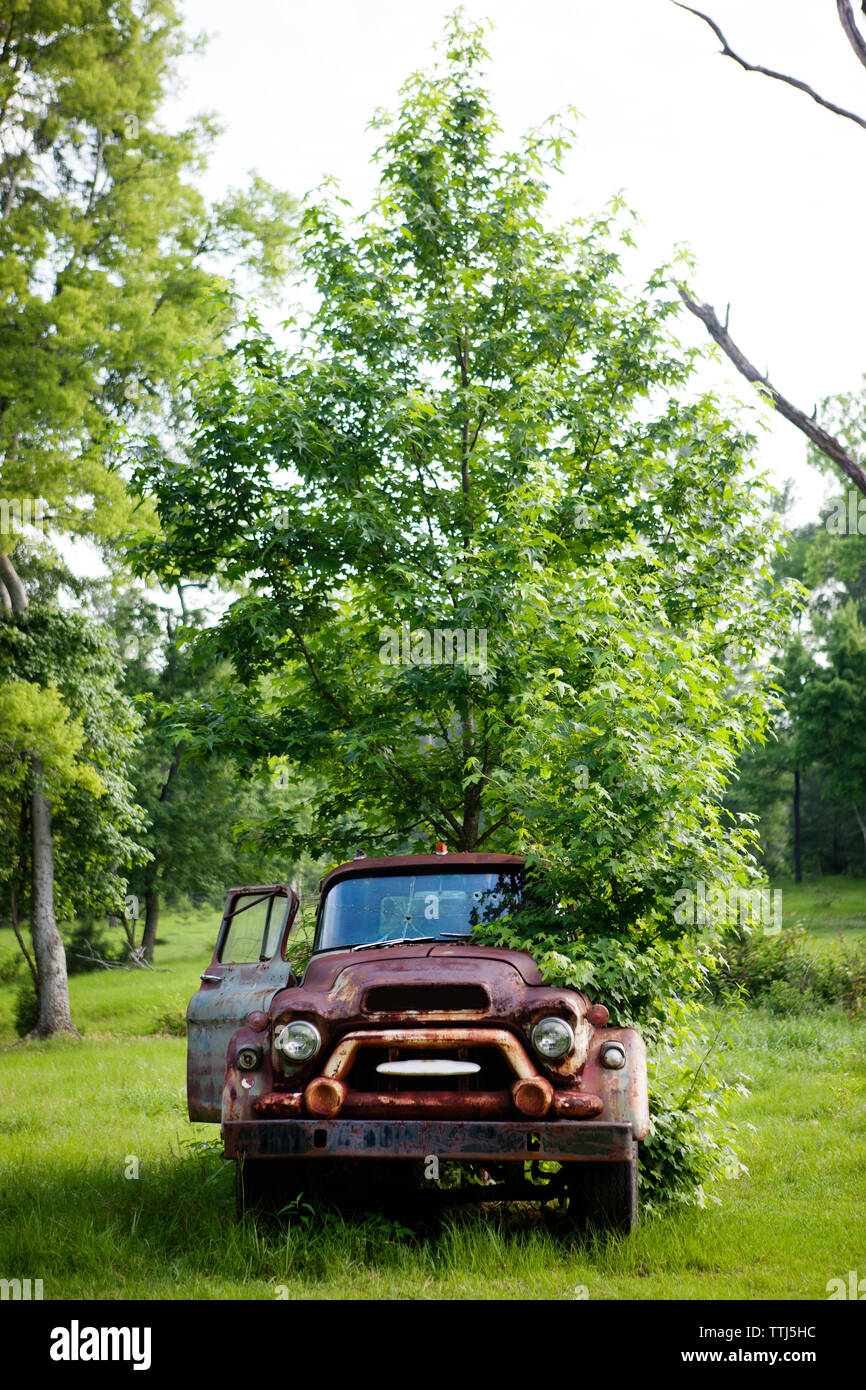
(299, 1041)
(612, 1055)
(248, 1058)
(552, 1038)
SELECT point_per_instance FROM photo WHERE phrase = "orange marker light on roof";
(440, 848)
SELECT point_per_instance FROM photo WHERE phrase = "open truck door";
(247, 969)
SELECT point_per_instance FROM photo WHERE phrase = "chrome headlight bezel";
(298, 1028)
(613, 1055)
(249, 1057)
(551, 1025)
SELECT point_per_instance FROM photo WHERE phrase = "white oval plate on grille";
(428, 1066)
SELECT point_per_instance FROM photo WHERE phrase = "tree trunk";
(54, 1015)
(151, 892)
(12, 586)
(862, 824)
(798, 858)
(151, 912)
(53, 990)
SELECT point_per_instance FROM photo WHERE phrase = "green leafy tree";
(67, 729)
(799, 782)
(833, 712)
(111, 275)
(195, 807)
(37, 732)
(107, 254)
(498, 550)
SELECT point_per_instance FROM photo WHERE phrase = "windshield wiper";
(397, 941)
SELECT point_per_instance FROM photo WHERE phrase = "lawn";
(131, 1002)
(107, 1190)
(826, 907)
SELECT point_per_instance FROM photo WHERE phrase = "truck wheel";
(605, 1195)
(266, 1185)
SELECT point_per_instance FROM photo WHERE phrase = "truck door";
(247, 969)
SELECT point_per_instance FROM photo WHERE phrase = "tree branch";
(495, 826)
(728, 52)
(828, 445)
(852, 33)
(12, 584)
(19, 938)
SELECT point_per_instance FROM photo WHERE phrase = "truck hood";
(430, 980)
(432, 984)
(426, 962)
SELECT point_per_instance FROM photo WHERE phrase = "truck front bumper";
(562, 1141)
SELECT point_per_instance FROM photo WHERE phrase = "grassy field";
(131, 1002)
(826, 907)
(107, 1190)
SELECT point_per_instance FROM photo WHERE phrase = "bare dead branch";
(852, 33)
(129, 930)
(828, 445)
(728, 52)
(90, 955)
(136, 952)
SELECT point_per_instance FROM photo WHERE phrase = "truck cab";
(408, 1044)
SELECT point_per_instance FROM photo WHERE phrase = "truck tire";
(605, 1195)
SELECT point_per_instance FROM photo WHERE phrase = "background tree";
(68, 730)
(481, 431)
(830, 445)
(803, 783)
(107, 256)
(833, 713)
(193, 806)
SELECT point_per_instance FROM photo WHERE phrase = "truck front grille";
(426, 999)
(494, 1072)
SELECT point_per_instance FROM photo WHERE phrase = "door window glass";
(255, 922)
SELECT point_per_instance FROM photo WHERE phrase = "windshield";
(395, 908)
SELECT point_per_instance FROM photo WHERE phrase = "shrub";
(688, 1145)
(787, 975)
(90, 938)
(26, 1008)
(10, 966)
(173, 1021)
(783, 998)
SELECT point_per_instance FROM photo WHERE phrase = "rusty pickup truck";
(409, 1047)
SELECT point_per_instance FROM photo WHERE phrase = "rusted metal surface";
(330, 1095)
(532, 1096)
(325, 1096)
(457, 1105)
(340, 1061)
(227, 996)
(277, 1103)
(577, 1105)
(337, 984)
(242, 1091)
(624, 1091)
(438, 1000)
(561, 1140)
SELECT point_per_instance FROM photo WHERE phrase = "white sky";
(763, 185)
